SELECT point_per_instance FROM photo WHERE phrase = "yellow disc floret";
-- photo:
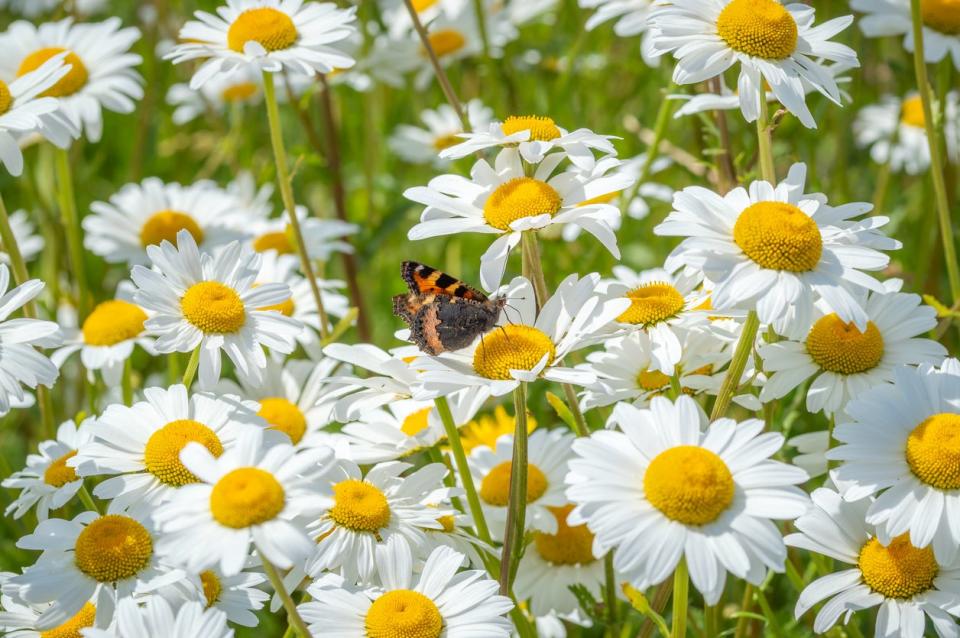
(911, 112)
(542, 129)
(759, 28)
(941, 15)
(284, 416)
(403, 613)
(446, 42)
(899, 570)
(512, 347)
(245, 497)
(571, 545)
(112, 322)
(58, 473)
(272, 28)
(838, 346)
(276, 240)
(164, 226)
(652, 303)
(211, 587)
(113, 548)
(416, 422)
(495, 487)
(6, 98)
(689, 484)
(933, 451)
(652, 380)
(778, 236)
(162, 453)
(359, 506)
(518, 198)
(213, 307)
(73, 81)
(72, 628)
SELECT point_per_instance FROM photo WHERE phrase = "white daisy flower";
(139, 445)
(251, 493)
(776, 249)
(547, 454)
(457, 533)
(390, 377)
(157, 618)
(47, 482)
(323, 237)
(19, 619)
(442, 127)
(24, 232)
(845, 361)
(526, 344)
(269, 35)
(901, 445)
(101, 74)
(631, 17)
(941, 25)
(907, 583)
(666, 486)
(895, 132)
(238, 596)
(212, 303)
(104, 559)
(397, 18)
(773, 43)
(430, 602)
(240, 86)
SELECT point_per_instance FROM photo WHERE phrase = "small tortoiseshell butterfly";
(443, 312)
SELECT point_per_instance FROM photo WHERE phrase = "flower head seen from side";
(212, 303)
(47, 482)
(663, 486)
(269, 35)
(776, 249)
(909, 584)
(251, 494)
(322, 237)
(846, 361)
(240, 86)
(101, 75)
(941, 25)
(238, 595)
(773, 43)
(24, 232)
(440, 130)
(901, 444)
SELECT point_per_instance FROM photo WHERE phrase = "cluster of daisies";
(361, 492)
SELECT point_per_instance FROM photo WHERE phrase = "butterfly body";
(443, 312)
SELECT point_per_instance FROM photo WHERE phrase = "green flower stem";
(293, 616)
(681, 587)
(711, 620)
(437, 69)
(610, 595)
(768, 170)
(659, 132)
(71, 223)
(737, 365)
(936, 156)
(286, 193)
(517, 505)
(772, 624)
(192, 365)
(87, 500)
(127, 382)
(743, 622)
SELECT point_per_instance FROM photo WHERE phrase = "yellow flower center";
(941, 15)
(277, 240)
(239, 92)
(165, 224)
(245, 497)
(416, 422)
(73, 81)
(112, 322)
(651, 380)
(838, 346)
(689, 484)
(272, 28)
(778, 236)
(284, 416)
(600, 199)
(58, 473)
(899, 570)
(514, 347)
(403, 613)
(911, 112)
(542, 129)
(211, 587)
(445, 141)
(518, 198)
(6, 98)
(652, 303)
(71, 629)
(486, 429)
(112, 548)
(162, 454)
(495, 487)
(571, 545)
(359, 506)
(423, 5)
(933, 451)
(445, 42)
(213, 307)
(759, 28)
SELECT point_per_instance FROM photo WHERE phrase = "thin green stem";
(610, 594)
(743, 622)
(768, 170)
(936, 157)
(580, 426)
(773, 625)
(737, 365)
(286, 193)
(517, 504)
(192, 365)
(711, 620)
(681, 587)
(480, 12)
(437, 69)
(71, 223)
(87, 500)
(659, 132)
(293, 616)
(127, 381)
(532, 267)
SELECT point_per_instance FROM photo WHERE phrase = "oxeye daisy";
(908, 584)
(157, 618)
(776, 249)
(442, 127)
(901, 444)
(19, 619)
(105, 559)
(631, 17)
(251, 493)
(397, 19)
(527, 344)
(664, 486)
(27, 240)
(238, 596)
(846, 361)
(486, 429)
(148, 213)
(240, 86)
(453, 533)
(213, 304)
(431, 602)
(503, 200)
(270, 35)
(139, 445)
(941, 25)
(101, 75)
(323, 237)
(548, 452)
(47, 482)
(773, 43)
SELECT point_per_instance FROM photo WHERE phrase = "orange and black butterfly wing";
(423, 280)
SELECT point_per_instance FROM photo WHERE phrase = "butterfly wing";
(424, 280)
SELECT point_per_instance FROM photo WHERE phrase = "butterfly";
(443, 312)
